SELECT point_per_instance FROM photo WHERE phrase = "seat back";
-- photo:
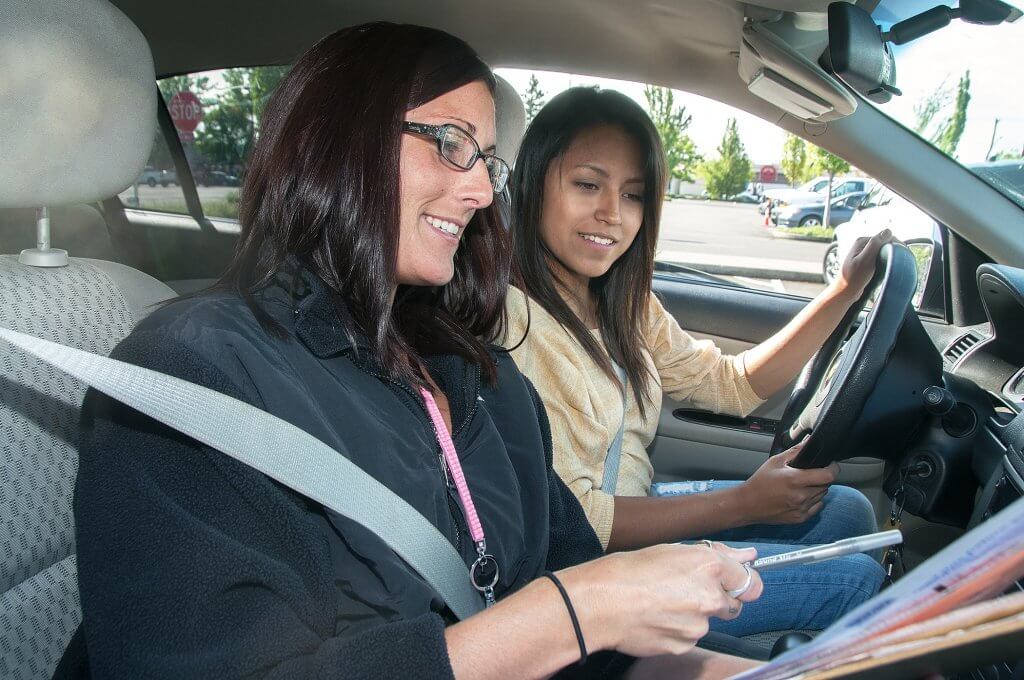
(91, 305)
(511, 120)
(77, 123)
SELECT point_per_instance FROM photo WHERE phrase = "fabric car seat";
(65, 63)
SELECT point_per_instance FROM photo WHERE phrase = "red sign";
(186, 111)
(768, 174)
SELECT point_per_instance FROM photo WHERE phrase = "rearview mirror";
(858, 54)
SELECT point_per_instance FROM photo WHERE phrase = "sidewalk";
(738, 265)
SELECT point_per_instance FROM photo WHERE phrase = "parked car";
(772, 196)
(744, 197)
(153, 176)
(884, 209)
(216, 178)
(880, 209)
(814, 191)
(812, 213)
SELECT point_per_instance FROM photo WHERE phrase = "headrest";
(511, 120)
(77, 102)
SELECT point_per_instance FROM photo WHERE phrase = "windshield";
(814, 186)
(963, 92)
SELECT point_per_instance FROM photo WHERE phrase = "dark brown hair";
(623, 292)
(323, 186)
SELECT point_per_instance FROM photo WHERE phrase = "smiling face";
(438, 199)
(593, 204)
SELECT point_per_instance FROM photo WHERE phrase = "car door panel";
(689, 446)
(173, 247)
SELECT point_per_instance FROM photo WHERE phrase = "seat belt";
(610, 479)
(279, 450)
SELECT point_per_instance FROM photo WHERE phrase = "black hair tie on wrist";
(572, 615)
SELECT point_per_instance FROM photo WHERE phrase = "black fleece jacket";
(194, 565)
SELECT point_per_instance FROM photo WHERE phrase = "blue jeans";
(802, 597)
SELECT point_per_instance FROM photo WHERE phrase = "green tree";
(197, 85)
(232, 116)
(942, 115)
(226, 136)
(672, 121)
(948, 137)
(825, 163)
(729, 173)
(533, 100)
(794, 160)
(1007, 155)
(931, 106)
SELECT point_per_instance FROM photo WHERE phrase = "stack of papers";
(944, 602)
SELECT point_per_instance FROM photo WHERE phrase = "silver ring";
(746, 584)
(709, 544)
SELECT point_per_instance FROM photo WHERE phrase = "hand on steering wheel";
(834, 387)
(778, 493)
(859, 266)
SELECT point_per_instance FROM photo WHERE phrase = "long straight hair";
(623, 292)
(323, 186)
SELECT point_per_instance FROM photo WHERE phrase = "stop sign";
(768, 174)
(186, 111)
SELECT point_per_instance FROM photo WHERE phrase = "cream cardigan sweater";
(585, 406)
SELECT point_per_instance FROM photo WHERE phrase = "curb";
(780, 232)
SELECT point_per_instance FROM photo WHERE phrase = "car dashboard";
(996, 364)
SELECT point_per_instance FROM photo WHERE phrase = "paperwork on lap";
(981, 564)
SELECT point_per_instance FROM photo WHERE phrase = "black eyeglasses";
(460, 149)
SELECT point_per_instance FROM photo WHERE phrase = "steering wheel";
(836, 383)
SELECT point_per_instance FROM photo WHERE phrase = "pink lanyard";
(480, 573)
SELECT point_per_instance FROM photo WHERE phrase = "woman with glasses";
(601, 351)
(371, 261)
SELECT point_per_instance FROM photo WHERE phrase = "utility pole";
(992, 142)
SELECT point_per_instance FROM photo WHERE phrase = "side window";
(847, 188)
(217, 117)
(744, 200)
(157, 188)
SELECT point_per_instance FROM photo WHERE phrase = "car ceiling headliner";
(686, 44)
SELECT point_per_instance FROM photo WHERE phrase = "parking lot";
(159, 194)
(725, 239)
(729, 240)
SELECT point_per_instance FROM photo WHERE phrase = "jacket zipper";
(437, 446)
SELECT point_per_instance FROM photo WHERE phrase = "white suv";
(881, 209)
(814, 191)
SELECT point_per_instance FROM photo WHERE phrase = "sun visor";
(778, 74)
(77, 102)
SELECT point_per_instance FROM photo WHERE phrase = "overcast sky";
(995, 56)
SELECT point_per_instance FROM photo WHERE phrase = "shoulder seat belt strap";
(279, 450)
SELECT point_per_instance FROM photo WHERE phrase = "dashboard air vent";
(959, 347)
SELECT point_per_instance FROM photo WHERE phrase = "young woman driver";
(371, 260)
(587, 195)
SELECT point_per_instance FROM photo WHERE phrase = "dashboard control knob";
(938, 400)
